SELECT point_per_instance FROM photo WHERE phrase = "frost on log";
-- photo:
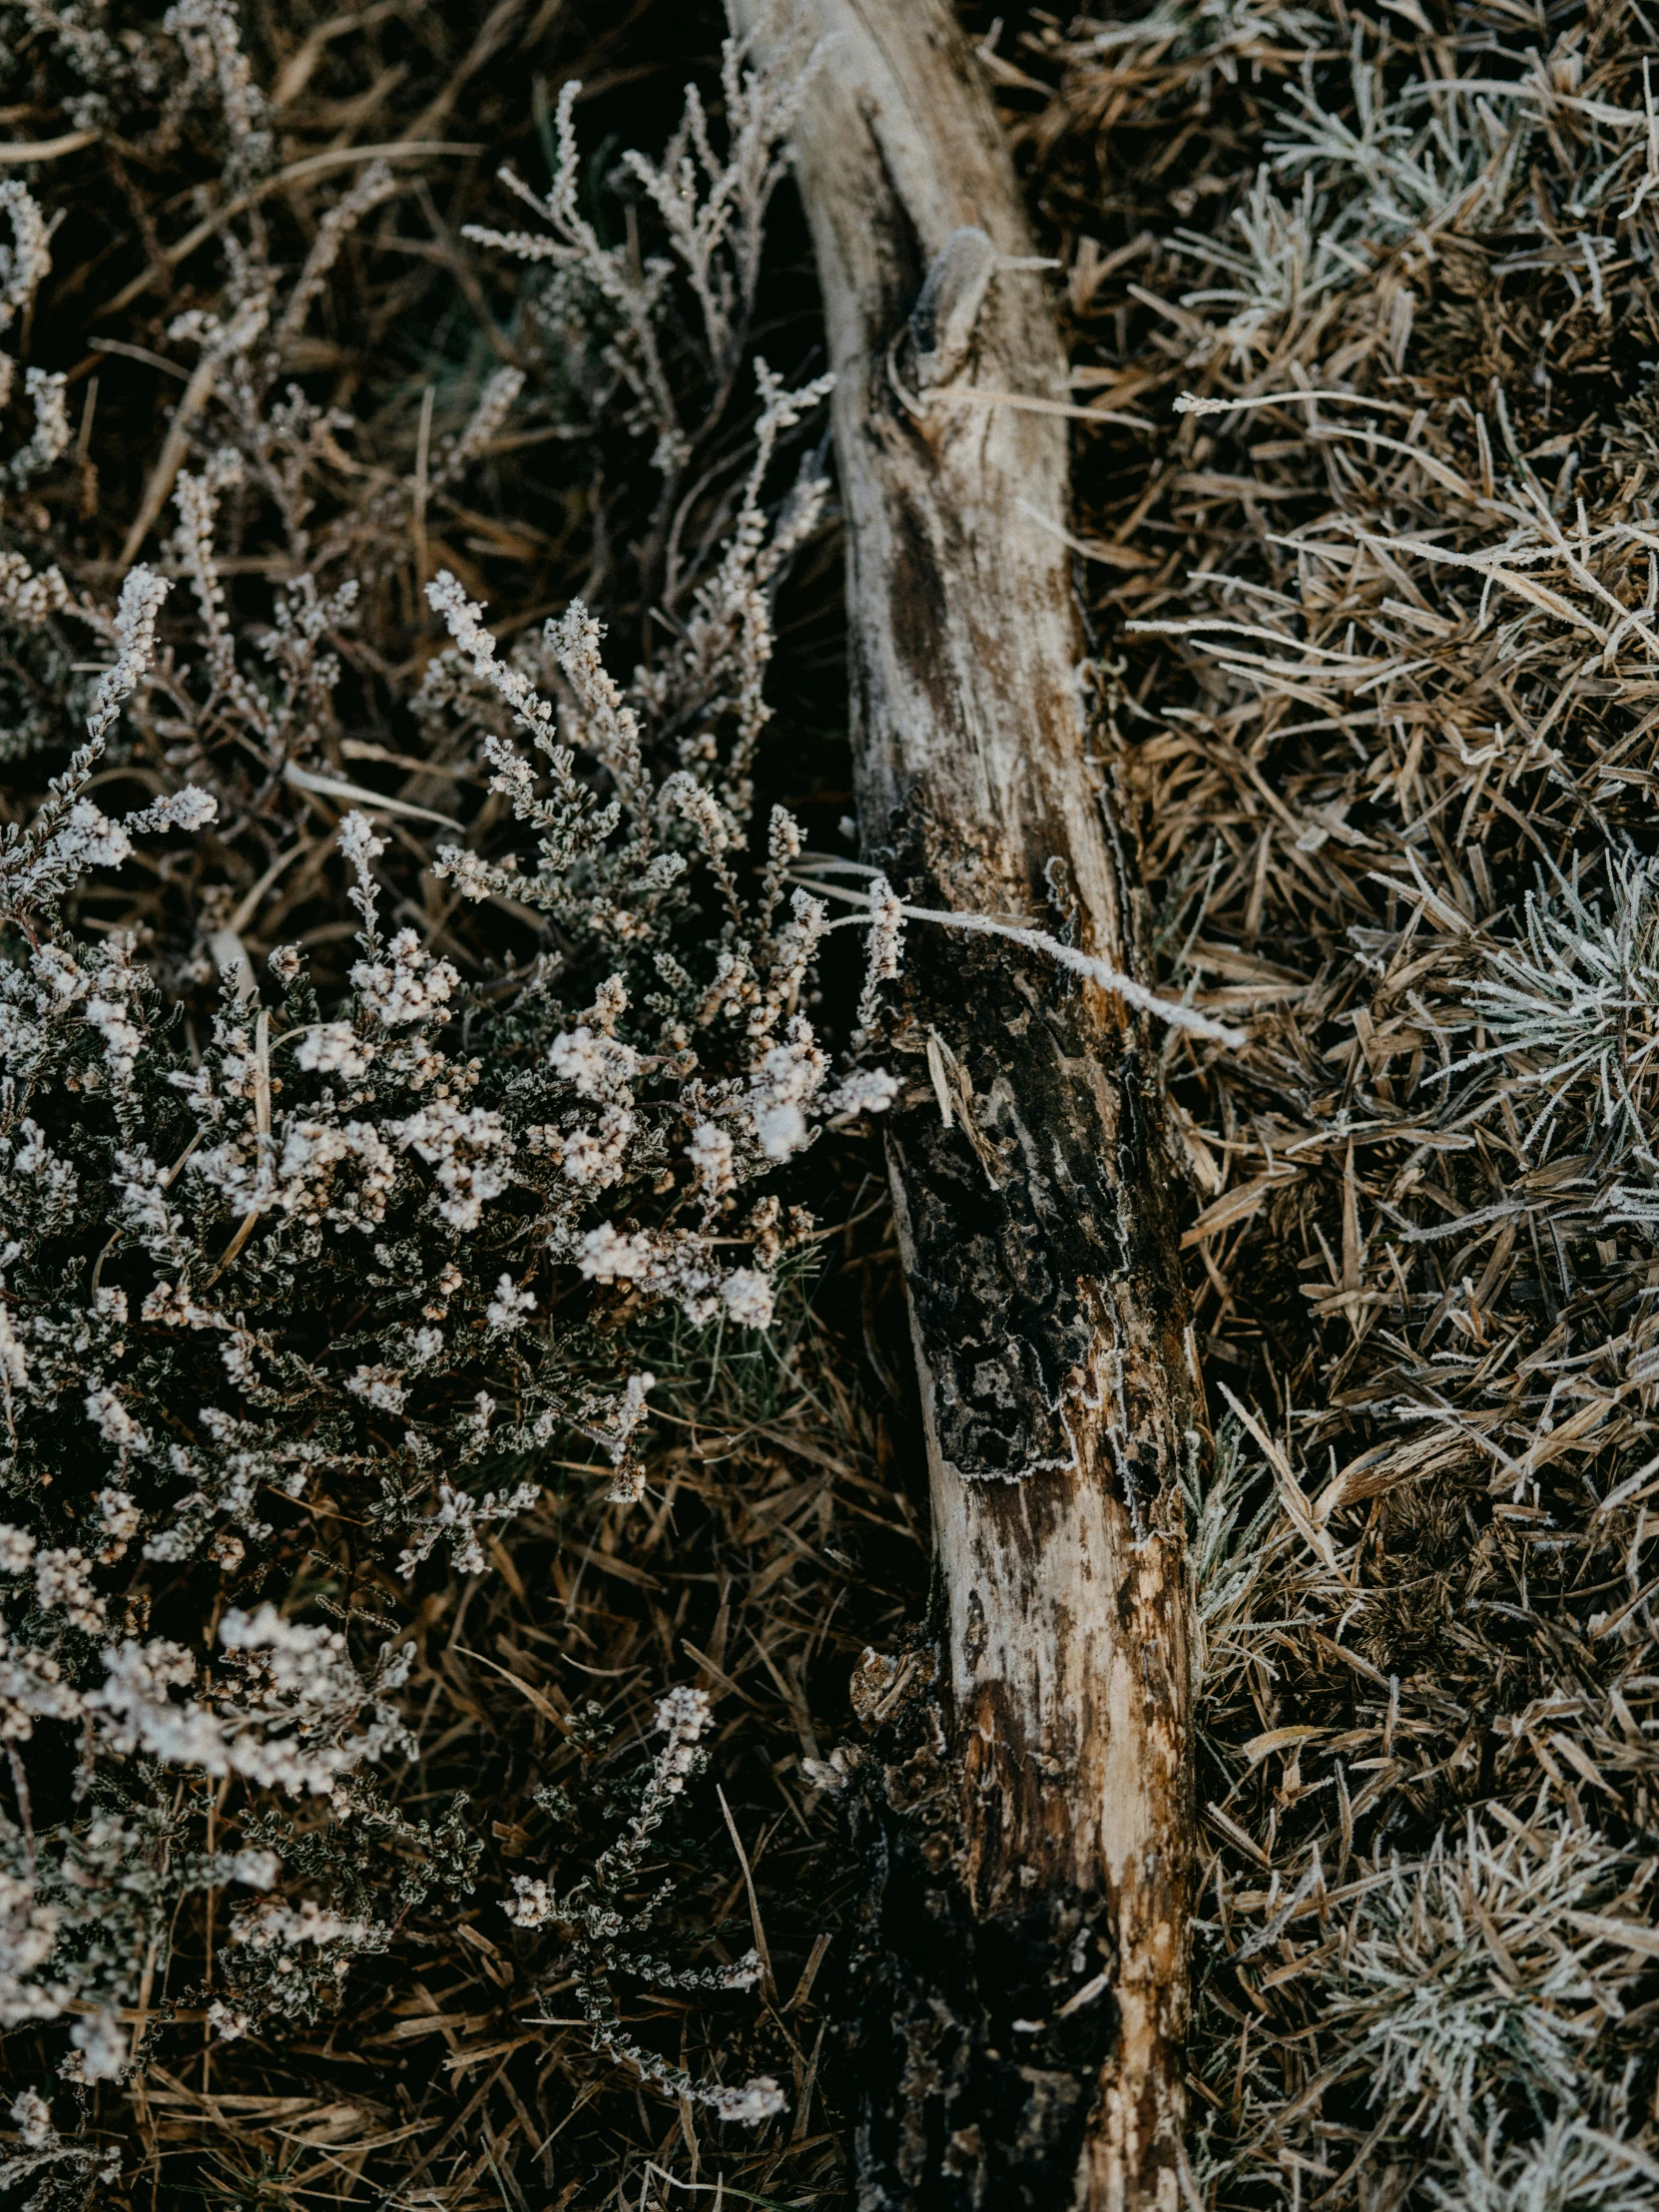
(1021, 1991)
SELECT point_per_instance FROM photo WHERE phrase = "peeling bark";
(1025, 1810)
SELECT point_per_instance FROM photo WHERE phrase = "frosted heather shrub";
(295, 1247)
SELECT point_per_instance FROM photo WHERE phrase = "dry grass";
(1382, 665)
(1422, 1235)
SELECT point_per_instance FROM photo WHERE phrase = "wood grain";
(1058, 1377)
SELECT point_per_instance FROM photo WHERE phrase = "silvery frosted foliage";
(112, 71)
(245, 431)
(341, 1256)
(42, 2155)
(712, 207)
(29, 600)
(1570, 1008)
(284, 1252)
(1572, 2166)
(23, 263)
(1433, 2021)
(615, 1903)
(1338, 189)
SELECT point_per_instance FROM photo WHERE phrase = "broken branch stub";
(1021, 1988)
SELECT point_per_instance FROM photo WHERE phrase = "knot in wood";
(944, 318)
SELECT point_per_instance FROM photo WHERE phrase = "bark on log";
(1023, 1980)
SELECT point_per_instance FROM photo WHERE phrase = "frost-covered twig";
(599, 1912)
(886, 910)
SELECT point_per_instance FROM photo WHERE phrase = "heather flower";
(284, 1248)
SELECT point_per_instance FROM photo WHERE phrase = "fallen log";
(1021, 1988)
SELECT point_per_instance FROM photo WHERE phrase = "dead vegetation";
(1376, 627)
(1376, 660)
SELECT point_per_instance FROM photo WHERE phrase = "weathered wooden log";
(1023, 1980)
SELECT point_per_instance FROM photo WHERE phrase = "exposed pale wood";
(1057, 1367)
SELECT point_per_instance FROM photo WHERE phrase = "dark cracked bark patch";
(974, 2044)
(1049, 1181)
